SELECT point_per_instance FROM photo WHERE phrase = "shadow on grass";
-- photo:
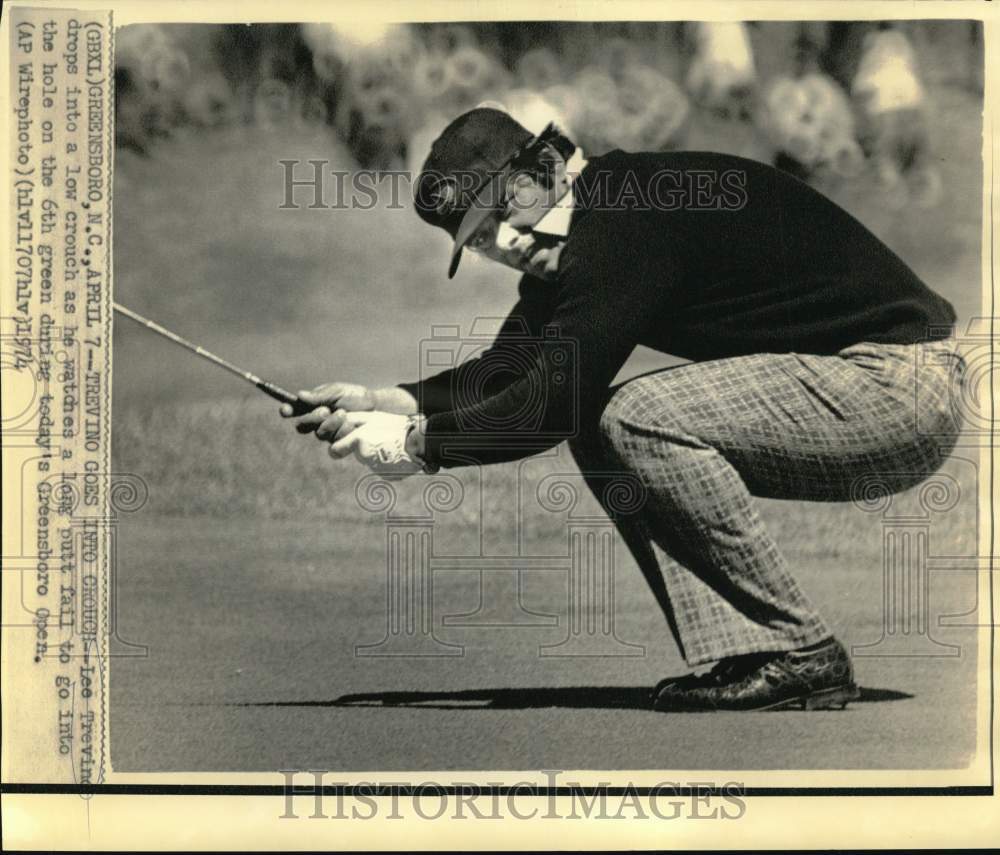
(570, 697)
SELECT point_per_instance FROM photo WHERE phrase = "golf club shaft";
(266, 387)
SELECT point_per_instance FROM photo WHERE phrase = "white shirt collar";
(557, 218)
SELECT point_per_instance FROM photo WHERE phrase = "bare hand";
(330, 401)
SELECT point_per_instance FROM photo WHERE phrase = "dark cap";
(465, 174)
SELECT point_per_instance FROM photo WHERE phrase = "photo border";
(125, 12)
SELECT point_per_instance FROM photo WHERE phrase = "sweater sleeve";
(487, 373)
(608, 293)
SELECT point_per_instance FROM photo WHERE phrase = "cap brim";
(487, 201)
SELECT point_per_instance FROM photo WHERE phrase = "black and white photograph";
(625, 384)
(579, 402)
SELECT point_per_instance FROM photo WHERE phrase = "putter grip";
(299, 407)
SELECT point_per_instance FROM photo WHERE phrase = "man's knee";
(627, 410)
(639, 425)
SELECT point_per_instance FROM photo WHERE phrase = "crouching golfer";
(818, 359)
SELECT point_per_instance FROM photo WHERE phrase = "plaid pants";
(705, 437)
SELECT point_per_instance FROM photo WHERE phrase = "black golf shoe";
(815, 678)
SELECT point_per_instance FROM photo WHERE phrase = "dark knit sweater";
(695, 254)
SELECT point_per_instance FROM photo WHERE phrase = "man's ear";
(523, 179)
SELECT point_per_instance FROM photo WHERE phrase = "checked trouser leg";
(705, 438)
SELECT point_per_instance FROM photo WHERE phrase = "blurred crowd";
(844, 98)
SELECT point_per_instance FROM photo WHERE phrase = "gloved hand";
(378, 440)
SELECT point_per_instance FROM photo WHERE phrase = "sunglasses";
(524, 159)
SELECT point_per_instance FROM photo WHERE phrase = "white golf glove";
(378, 441)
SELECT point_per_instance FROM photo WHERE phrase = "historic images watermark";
(587, 567)
(313, 185)
(586, 563)
(915, 526)
(316, 794)
(912, 526)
